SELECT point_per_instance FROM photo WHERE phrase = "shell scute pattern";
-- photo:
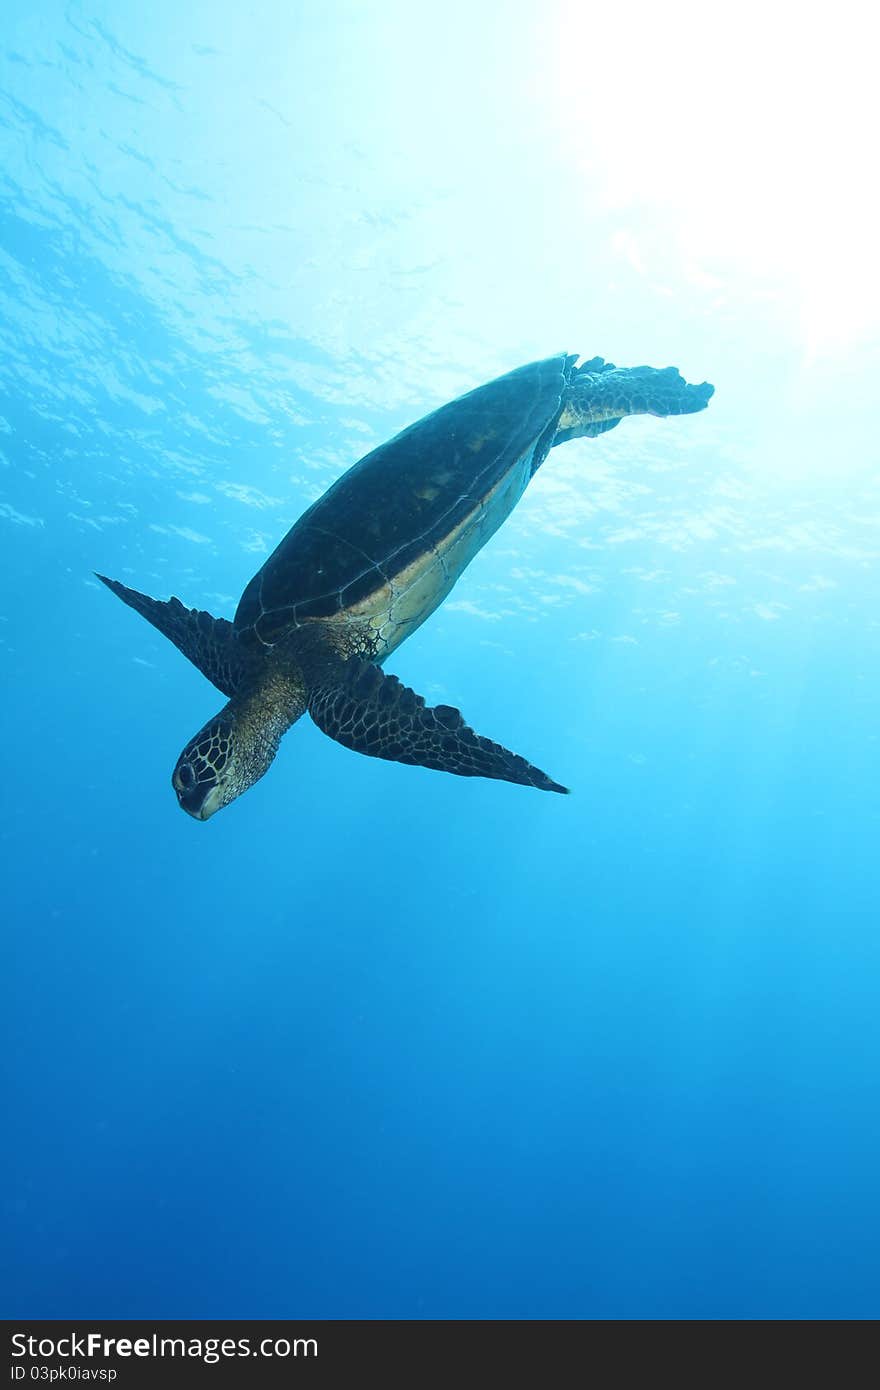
(398, 506)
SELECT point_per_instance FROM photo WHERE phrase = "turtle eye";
(186, 776)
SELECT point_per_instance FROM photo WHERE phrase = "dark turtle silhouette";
(367, 564)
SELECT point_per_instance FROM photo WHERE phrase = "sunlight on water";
(739, 146)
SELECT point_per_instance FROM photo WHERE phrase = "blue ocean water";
(379, 1042)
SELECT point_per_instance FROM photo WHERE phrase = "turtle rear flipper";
(373, 713)
(208, 642)
(599, 395)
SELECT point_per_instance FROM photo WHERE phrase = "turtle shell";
(402, 500)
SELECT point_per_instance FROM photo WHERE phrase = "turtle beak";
(197, 802)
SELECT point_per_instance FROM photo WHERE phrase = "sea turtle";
(366, 565)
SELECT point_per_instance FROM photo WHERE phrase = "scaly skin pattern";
(376, 714)
(208, 642)
(236, 748)
(600, 395)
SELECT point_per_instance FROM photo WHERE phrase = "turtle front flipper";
(374, 713)
(208, 642)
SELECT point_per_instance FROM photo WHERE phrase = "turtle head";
(207, 775)
(231, 752)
